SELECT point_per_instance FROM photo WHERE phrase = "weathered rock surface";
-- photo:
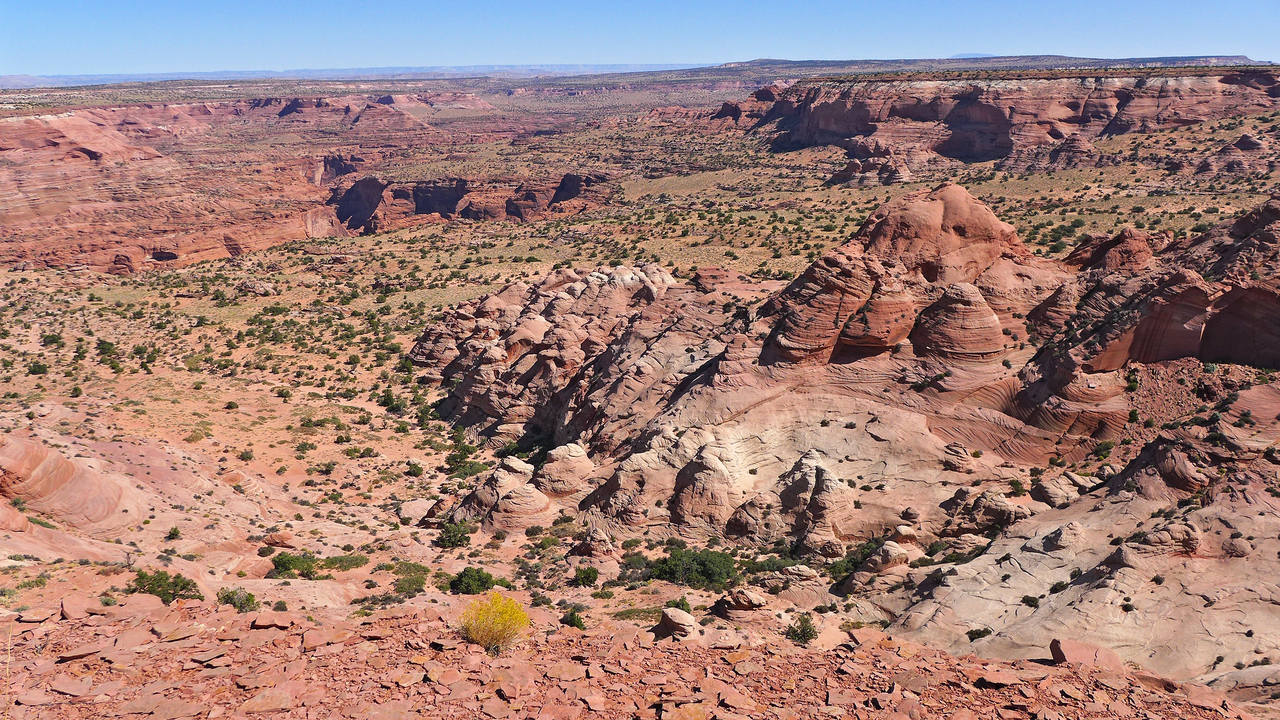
(407, 664)
(895, 127)
(892, 375)
(371, 204)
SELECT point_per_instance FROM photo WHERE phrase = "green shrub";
(471, 581)
(802, 631)
(978, 633)
(573, 619)
(165, 586)
(288, 566)
(695, 568)
(585, 577)
(239, 598)
(344, 562)
(454, 535)
(681, 603)
(410, 585)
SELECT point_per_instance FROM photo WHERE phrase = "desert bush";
(288, 566)
(344, 562)
(802, 631)
(573, 619)
(454, 535)
(165, 586)
(585, 577)
(472, 581)
(410, 585)
(695, 568)
(494, 622)
(239, 598)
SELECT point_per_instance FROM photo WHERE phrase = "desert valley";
(760, 390)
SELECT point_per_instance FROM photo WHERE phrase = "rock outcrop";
(1022, 123)
(890, 382)
(370, 204)
(1248, 155)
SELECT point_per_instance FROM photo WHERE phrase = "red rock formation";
(941, 236)
(121, 189)
(1006, 120)
(959, 326)
(371, 204)
(945, 235)
(1248, 155)
(888, 393)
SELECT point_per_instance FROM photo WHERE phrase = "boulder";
(676, 623)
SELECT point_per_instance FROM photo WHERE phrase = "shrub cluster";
(165, 586)
(239, 598)
(695, 568)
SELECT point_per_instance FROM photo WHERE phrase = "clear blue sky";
(68, 37)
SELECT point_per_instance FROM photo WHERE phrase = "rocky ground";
(194, 660)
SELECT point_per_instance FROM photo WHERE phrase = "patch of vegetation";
(239, 598)
(494, 622)
(573, 619)
(454, 535)
(473, 581)
(802, 631)
(165, 586)
(709, 569)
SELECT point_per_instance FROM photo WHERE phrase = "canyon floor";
(690, 367)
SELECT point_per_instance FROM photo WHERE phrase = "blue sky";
(68, 37)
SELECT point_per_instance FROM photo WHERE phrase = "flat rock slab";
(84, 651)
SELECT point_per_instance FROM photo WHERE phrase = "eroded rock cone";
(597, 544)
(946, 235)
(1130, 250)
(565, 471)
(960, 326)
(884, 322)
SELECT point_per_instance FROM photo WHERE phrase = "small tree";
(471, 581)
(454, 535)
(802, 631)
(165, 586)
(585, 577)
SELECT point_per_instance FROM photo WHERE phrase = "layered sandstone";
(1026, 123)
(890, 391)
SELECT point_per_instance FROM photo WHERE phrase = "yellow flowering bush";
(494, 622)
